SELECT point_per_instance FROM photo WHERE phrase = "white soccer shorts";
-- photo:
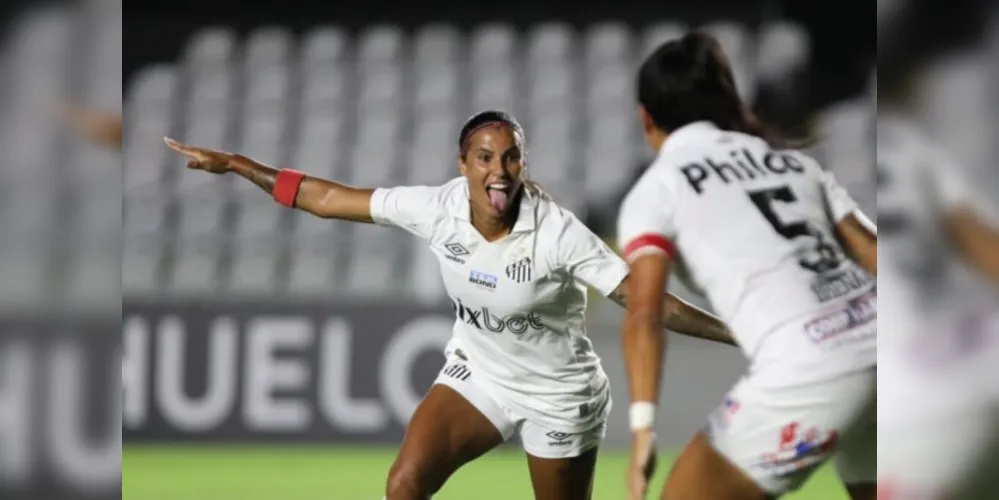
(537, 440)
(939, 431)
(779, 437)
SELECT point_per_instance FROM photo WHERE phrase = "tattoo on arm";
(261, 175)
(683, 318)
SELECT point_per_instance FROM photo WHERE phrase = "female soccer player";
(787, 261)
(515, 266)
(939, 344)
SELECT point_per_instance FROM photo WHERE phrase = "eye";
(485, 157)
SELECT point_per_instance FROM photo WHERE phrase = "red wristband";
(286, 186)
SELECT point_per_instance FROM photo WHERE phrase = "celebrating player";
(786, 260)
(939, 346)
(515, 266)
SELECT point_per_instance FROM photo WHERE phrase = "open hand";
(198, 158)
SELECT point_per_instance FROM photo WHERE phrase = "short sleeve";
(413, 208)
(838, 201)
(589, 260)
(645, 222)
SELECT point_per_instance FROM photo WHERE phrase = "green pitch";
(272, 473)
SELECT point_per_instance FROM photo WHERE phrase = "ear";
(647, 124)
(462, 169)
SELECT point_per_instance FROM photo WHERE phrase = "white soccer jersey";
(753, 229)
(933, 296)
(520, 301)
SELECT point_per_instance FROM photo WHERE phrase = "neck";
(657, 139)
(493, 228)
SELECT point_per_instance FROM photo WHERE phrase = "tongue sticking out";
(498, 199)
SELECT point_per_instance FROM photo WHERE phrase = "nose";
(499, 167)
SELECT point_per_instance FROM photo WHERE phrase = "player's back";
(753, 227)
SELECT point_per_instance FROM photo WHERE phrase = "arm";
(99, 127)
(859, 238)
(975, 240)
(316, 196)
(319, 197)
(855, 232)
(641, 334)
(682, 317)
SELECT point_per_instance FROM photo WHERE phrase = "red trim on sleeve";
(286, 186)
(653, 240)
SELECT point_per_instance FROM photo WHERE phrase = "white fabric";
(778, 437)
(753, 228)
(536, 439)
(520, 301)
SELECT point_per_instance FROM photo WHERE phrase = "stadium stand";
(381, 107)
(61, 196)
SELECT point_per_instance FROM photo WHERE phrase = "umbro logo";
(558, 438)
(455, 251)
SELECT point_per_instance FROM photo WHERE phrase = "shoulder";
(446, 197)
(559, 228)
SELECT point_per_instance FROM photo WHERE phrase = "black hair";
(484, 119)
(689, 80)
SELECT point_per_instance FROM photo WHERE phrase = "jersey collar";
(525, 218)
(686, 134)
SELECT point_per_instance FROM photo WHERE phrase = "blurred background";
(266, 354)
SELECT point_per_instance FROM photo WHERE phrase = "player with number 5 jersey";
(785, 258)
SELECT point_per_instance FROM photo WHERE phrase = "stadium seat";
(265, 48)
(141, 266)
(425, 283)
(549, 42)
(381, 88)
(493, 42)
(268, 88)
(436, 45)
(655, 35)
(495, 89)
(194, 272)
(312, 269)
(323, 47)
(739, 46)
(380, 44)
(210, 48)
(254, 271)
(551, 87)
(325, 88)
(607, 43)
(318, 145)
(784, 49)
(374, 253)
(436, 88)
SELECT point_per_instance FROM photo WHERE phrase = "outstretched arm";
(683, 317)
(316, 196)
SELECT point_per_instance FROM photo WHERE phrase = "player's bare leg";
(446, 432)
(702, 472)
(563, 478)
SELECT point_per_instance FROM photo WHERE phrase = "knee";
(407, 481)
